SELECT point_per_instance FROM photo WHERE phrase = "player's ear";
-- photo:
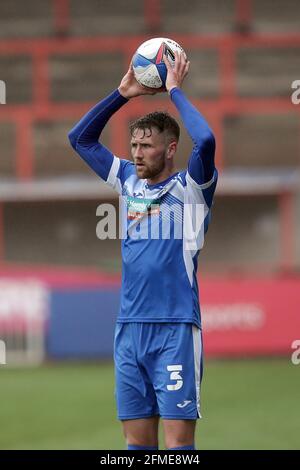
(172, 149)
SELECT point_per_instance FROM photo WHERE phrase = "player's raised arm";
(84, 137)
(201, 164)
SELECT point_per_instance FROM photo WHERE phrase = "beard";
(151, 171)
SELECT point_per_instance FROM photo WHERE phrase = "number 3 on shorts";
(175, 369)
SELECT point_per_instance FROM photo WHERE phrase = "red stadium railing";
(227, 103)
(61, 16)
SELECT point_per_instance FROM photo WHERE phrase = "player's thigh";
(134, 393)
(141, 432)
(179, 433)
(177, 372)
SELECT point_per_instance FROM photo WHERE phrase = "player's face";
(149, 149)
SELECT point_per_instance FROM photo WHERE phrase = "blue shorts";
(158, 368)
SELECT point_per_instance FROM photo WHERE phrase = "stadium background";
(59, 284)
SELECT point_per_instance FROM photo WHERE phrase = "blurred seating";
(261, 141)
(198, 16)
(267, 71)
(276, 16)
(16, 71)
(58, 233)
(245, 232)
(94, 17)
(59, 158)
(33, 18)
(84, 78)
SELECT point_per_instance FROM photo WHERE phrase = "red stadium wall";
(241, 316)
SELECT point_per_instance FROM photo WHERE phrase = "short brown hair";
(162, 121)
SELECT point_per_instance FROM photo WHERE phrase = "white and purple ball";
(148, 65)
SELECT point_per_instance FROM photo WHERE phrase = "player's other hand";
(176, 74)
(130, 87)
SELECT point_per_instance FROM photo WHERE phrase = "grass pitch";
(246, 404)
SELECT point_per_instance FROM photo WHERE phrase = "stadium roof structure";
(231, 182)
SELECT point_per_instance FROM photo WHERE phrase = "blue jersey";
(159, 265)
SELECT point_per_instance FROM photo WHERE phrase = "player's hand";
(130, 87)
(176, 74)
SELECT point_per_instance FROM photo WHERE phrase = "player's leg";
(135, 395)
(141, 433)
(179, 434)
(177, 374)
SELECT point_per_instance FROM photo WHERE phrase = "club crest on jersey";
(139, 207)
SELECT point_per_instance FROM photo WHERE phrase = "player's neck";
(164, 175)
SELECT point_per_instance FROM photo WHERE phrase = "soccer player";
(158, 340)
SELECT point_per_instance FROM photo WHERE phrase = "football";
(148, 65)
